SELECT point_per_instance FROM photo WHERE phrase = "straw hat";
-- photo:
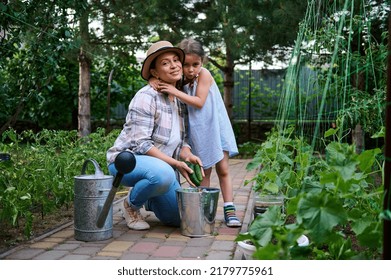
(154, 51)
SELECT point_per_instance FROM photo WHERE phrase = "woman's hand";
(185, 170)
(187, 155)
(195, 160)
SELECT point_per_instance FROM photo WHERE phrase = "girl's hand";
(167, 88)
(154, 83)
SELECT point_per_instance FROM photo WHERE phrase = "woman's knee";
(162, 174)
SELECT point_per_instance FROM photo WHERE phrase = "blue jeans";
(153, 183)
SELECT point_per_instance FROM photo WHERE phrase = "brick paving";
(158, 243)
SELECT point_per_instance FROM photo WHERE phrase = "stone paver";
(50, 255)
(167, 251)
(195, 252)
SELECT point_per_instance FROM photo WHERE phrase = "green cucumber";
(197, 171)
(193, 176)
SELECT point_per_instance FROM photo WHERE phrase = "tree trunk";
(84, 116)
(84, 111)
(358, 82)
(108, 110)
(358, 138)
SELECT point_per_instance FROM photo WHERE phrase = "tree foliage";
(41, 40)
(35, 44)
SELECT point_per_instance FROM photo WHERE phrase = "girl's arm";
(197, 101)
(153, 82)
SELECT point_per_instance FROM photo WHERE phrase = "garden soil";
(11, 237)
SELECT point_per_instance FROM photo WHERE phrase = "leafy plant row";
(39, 177)
(334, 198)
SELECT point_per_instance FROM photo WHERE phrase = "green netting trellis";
(342, 43)
(324, 155)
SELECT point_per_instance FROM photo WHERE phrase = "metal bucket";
(90, 193)
(197, 209)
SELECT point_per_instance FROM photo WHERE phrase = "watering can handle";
(98, 170)
(124, 162)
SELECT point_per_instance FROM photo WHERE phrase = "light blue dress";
(210, 130)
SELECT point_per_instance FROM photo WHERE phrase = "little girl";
(210, 131)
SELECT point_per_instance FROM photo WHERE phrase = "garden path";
(158, 243)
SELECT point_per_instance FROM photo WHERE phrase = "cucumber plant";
(335, 199)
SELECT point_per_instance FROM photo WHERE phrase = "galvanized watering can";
(90, 193)
(94, 195)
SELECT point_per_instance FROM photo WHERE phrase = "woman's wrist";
(185, 154)
(177, 164)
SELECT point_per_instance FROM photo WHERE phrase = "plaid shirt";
(148, 123)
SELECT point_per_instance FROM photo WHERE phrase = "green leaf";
(328, 177)
(346, 171)
(282, 157)
(361, 224)
(270, 187)
(367, 158)
(269, 252)
(333, 154)
(10, 189)
(25, 197)
(262, 228)
(340, 249)
(370, 237)
(291, 207)
(355, 214)
(330, 132)
(380, 134)
(3, 7)
(320, 213)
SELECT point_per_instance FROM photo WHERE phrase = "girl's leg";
(222, 170)
(206, 180)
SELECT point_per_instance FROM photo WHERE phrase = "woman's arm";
(155, 152)
(197, 101)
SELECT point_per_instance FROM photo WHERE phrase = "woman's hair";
(191, 46)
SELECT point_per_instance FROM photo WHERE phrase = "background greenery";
(41, 41)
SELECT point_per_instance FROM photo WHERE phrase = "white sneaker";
(133, 218)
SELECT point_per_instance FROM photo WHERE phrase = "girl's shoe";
(230, 216)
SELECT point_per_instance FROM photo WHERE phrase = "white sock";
(228, 203)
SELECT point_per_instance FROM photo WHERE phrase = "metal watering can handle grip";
(98, 170)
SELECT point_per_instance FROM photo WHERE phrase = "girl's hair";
(191, 46)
